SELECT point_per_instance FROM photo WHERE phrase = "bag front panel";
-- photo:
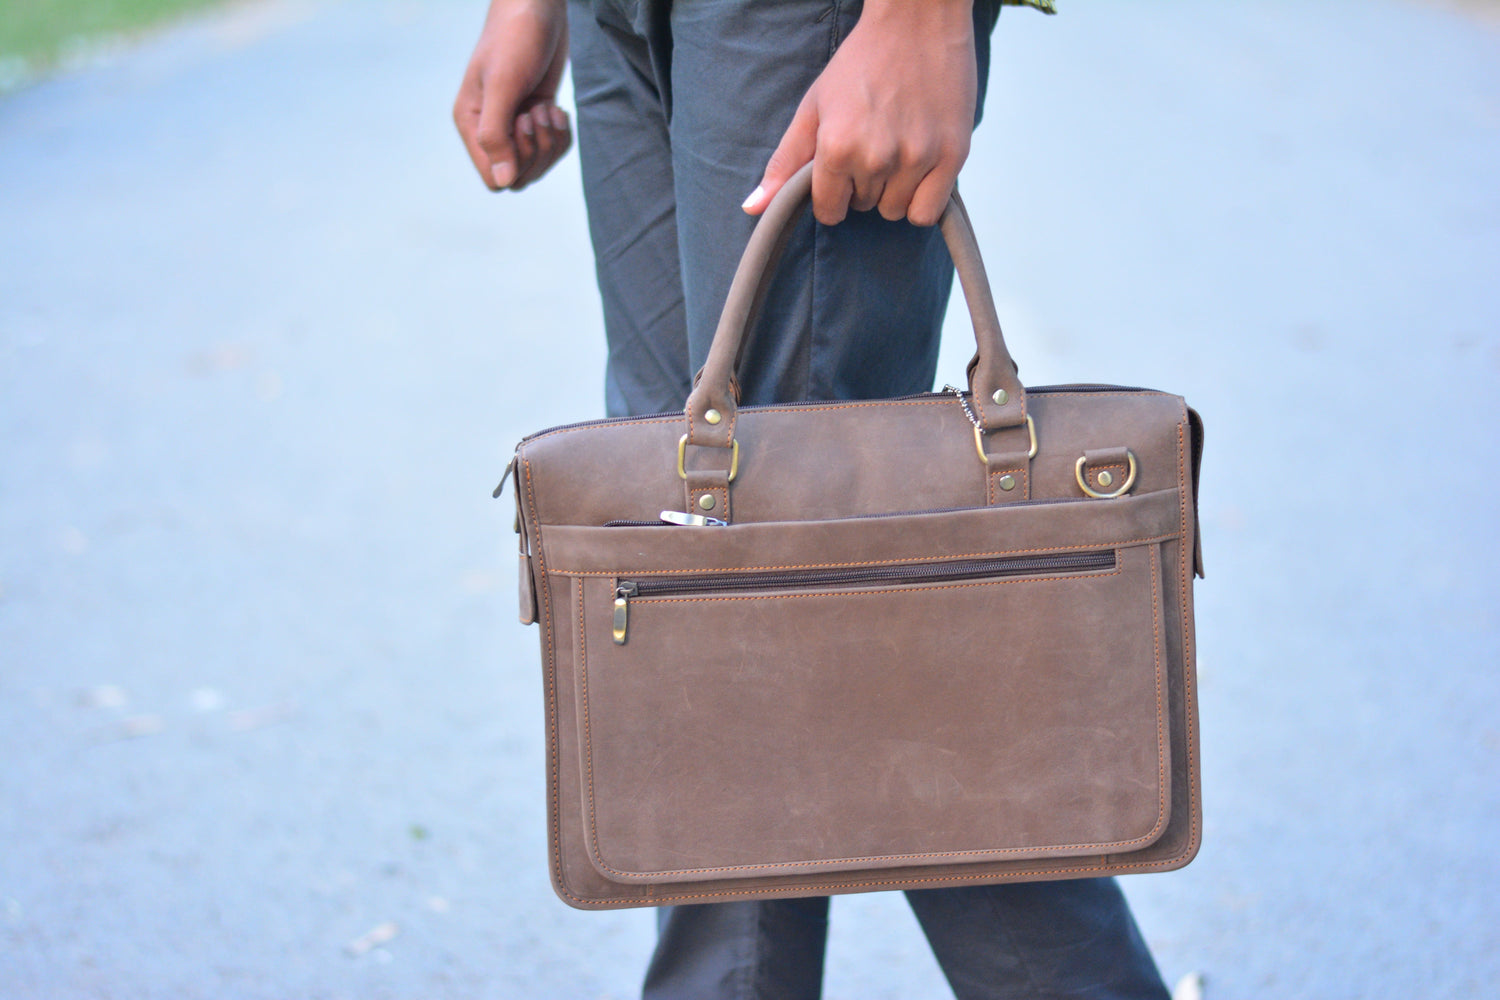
(768, 732)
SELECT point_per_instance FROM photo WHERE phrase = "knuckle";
(780, 164)
(953, 150)
(919, 152)
(838, 155)
(878, 164)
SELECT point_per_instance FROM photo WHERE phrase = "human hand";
(887, 123)
(505, 110)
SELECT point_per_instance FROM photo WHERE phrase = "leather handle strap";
(991, 371)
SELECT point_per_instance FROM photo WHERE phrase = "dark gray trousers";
(680, 105)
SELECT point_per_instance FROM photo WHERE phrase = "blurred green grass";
(36, 34)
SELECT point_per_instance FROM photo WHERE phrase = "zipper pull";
(692, 520)
(509, 468)
(623, 593)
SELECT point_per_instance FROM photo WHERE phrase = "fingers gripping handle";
(993, 369)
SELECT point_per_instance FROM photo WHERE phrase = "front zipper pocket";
(902, 574)
(784, 719)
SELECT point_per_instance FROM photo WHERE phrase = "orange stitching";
(668, 418)
(588, 732)
(990, 877)
(1161, 770)
(1124, 543)
(1161, 739)
(1189, 848)
(1021, 472)
(549, 678)
(994, 472)
(1160, 818)
(722, 501)
(1183, 580)
(1105, 468)
(880, 857)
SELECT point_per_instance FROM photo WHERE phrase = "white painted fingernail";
(755, 196)
(526, 125)
(559, 119)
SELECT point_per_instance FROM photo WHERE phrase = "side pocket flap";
(527, 592)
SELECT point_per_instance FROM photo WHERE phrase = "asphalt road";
(267, 726)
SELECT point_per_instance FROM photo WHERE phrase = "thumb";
(497, 113)
(794, 152)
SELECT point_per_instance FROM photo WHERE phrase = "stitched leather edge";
(1163, 771)
(830, 886)
(676, 419)
(1121, 543)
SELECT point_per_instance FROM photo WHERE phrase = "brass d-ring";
(1124, 487)
(734, 458)
(979, 441)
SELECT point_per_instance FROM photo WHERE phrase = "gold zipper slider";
(623, 593)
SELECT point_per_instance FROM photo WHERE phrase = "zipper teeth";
(1080, 387)
(873, 517)
(972, 569)
(955, 510)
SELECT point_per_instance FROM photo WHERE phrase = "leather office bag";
(833, 647)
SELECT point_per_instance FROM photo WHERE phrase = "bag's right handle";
(999, 399)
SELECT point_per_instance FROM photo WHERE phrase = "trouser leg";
(626, 161)
(1038, 941)
(737, 951)
(762, 950)
(680, 105)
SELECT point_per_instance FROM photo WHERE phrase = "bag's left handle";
(998, 396)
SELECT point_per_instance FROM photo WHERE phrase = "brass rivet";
(1105, 478)
(713, 416)
(1007, 482)
(707, 501)
(1000, 397)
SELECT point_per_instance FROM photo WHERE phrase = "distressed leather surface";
(776, 738)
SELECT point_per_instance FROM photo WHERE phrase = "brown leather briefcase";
(833, 647)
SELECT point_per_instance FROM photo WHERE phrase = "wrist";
(943, 17)
(547, 10)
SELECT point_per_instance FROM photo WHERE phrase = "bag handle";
(999, 399)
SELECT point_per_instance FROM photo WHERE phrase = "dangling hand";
(506, 111)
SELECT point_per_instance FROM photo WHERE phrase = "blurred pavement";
(267, 726)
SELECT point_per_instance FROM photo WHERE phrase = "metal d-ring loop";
(734, 458)
(979, 441)
(1124, 487)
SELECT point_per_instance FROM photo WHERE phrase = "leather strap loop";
(992, 369)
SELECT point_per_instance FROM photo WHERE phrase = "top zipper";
(606, 421)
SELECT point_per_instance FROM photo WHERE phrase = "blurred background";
(267, 725)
